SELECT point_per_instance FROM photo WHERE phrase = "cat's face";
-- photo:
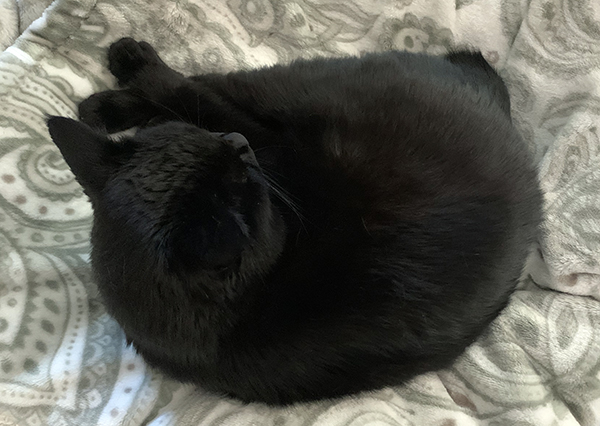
(193, 200)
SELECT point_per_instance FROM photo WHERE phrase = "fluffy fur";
(374, 226)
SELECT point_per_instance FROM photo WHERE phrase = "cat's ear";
(480, 74)
(89, 154)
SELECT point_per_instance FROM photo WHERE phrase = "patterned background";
(62, 358)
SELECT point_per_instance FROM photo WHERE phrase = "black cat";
(370, 223)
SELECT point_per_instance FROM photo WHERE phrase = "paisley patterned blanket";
(63, 360)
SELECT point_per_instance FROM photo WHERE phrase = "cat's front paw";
(92, 111)
(115, 110)
(127, 57)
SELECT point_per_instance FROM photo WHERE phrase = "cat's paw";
(127, 57)
(114, 110)
(92, 111)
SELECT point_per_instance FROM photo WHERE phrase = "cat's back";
(417, 199)
(404, 129)
(432, 191)
(392, 108)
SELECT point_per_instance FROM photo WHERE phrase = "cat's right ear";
(480, 74)
(90, 155)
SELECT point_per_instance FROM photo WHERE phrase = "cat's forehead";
(173, 149)
(170, 154)
(177, 137)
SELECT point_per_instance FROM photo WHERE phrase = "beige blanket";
(62, 358)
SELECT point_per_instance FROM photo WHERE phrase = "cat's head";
(195, 201)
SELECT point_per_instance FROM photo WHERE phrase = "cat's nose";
(237, 140)
(241, 145)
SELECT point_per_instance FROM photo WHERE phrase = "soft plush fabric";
(63, 360)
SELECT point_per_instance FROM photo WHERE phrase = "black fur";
(375, 227)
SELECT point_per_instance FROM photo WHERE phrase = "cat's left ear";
(90, 155)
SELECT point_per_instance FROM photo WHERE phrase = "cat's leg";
(116, 110)
(206, 101)
(152, 90)
(138, 67)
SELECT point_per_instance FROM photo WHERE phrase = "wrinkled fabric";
(63, 360)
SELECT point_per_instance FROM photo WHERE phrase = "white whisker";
(160, 105)
(285, 197)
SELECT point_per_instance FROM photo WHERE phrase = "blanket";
(63, 360)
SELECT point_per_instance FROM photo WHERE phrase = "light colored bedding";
(62, 358)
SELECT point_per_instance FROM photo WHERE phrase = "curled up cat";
(304, 231)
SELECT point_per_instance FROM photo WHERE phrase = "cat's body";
(394, 222)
